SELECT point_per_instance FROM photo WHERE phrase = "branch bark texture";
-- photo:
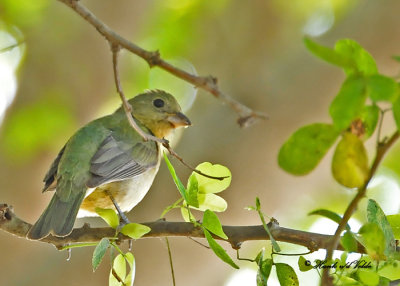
(10, 223)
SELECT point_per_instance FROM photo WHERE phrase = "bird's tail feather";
(58, 218)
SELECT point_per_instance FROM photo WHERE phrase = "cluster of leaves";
(354, 112)
(355, 115)
(378, 239)
(200, 194)
(118, 273)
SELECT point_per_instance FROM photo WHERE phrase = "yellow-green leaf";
(207, 185)
(350, 162)
(394, 221)
(212, 223)
(368, 278)
(119, 267)
(109, 216)
(211, 202)
(286, 275)
(192, 191)
(132, 265)
(373, 239)
(304, 265)
(135, 230)
(349, 242)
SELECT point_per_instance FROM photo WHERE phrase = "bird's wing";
(117, 160)
(49, 180)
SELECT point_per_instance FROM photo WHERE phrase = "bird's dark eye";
(158, 102)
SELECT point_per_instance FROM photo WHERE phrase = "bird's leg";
(122, 217)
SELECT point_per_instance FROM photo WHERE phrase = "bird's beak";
(179, 119)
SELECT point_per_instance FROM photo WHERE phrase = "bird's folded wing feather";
(117, 160)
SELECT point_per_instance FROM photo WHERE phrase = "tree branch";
(10, 223)
(246, 115)
(382, 148)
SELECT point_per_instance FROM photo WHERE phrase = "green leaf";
(109, 216)
(368, 278)
(218, 250)
(131, 275)
(348, 103)
(178, 183)
(396, 113)
(304, 265)
(192, 191)
(329, 55)
(364, 62)
(264, 270)
(330, 215)
(369, 116)
(119, 267)
(349, 242)
(390, 270)
(394, 221)
(212, 224)
(382, 88)
(286, 275)
(350, 162)
(207, 185)
(99, 252)
(301, 153)
(376, 215)
(135, 230)
(186, 214)
(373, 239)
(211, 202)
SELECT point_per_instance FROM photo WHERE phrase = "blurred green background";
(60, 77)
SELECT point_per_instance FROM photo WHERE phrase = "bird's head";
(158, 111)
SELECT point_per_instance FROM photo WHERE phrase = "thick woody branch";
(246, 115)
(10, 223)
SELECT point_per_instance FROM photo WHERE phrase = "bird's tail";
(58, 218)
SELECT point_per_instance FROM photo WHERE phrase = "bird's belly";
(127, 194)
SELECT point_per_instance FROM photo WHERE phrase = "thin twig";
(243, 259)
(247, 116)
(127, 107)
(173, 153)
(382, 148)
(198, 242)
(170, 261)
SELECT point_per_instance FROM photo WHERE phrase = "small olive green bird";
(107, 160)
